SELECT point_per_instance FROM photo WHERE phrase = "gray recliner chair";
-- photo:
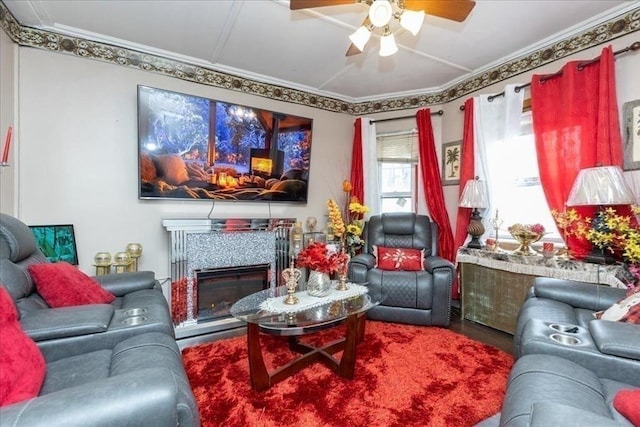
(139, 306)
(413, 297)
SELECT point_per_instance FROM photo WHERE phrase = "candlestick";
(291, 276)
(496, 223)
(7, 144)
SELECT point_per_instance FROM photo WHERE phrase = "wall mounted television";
(195, 148)
(57, 242)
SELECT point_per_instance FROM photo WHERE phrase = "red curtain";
(576, 126)
(467, 171)
(432, 183)
(357, 172)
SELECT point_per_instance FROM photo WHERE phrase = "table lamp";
(600, 186)
(474, 196)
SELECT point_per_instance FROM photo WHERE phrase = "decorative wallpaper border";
(31, 37)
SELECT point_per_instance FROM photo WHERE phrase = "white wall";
(78, 156)
(8, 51)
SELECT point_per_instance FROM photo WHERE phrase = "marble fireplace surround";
(214, 243)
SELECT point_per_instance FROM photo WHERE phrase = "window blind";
(397, 147)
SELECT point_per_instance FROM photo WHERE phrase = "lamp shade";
(387, 44)
(380, 13)
(360, 37)
(412, 20)
(603, 185)
(474, 195)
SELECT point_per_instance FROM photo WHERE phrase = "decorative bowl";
(526, 238)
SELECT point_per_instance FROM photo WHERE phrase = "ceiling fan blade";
(353, 50)
(306, 4)
(455, 10)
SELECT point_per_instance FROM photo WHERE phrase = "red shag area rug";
(405, 375)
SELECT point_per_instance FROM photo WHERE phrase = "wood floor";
(478, 332)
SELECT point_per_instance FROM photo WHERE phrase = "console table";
(494, 284)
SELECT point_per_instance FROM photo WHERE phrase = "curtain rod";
(435, 113)
(633, 46)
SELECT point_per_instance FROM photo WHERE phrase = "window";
(397, 163)
(517, 191)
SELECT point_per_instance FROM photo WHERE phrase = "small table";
(294, 324)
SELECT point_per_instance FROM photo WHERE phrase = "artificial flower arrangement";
(348, 225)
(619, 234)
(318, 257)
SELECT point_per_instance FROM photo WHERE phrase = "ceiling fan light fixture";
(387, 43)
(360, 37)
(380, 12)
(412, 20)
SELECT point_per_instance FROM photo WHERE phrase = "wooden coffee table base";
(261, 379)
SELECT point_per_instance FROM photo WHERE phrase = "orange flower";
(346, 186)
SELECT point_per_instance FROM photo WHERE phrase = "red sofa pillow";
(63, 285)
(22, 365)
(397, 259)
(627, 402)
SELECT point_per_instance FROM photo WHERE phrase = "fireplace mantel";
(202, 243)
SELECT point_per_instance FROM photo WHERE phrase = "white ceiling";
(305, 49)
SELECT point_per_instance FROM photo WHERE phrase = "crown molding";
(614, 27)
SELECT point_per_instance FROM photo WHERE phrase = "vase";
(318, 284)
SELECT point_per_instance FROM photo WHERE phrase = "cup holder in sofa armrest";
(565, 329)
(134, 320)
(132, 317)
(565, 339)
(134, 311)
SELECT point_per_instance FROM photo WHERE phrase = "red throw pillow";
(627, 402)
(399, 258)
(22, 365)
(63, 285)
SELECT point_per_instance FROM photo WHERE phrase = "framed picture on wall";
(631, 136)
(451, 154)
(57, 242)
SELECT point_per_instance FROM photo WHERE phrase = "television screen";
(57, 242)
(197, 148)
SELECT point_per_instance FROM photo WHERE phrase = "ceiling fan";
(410, 14)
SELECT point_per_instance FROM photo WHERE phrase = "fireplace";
(220, 288)
(208, 245)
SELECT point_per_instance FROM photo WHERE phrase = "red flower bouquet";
(317, 257)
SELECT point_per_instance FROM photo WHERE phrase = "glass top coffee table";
(294, 323)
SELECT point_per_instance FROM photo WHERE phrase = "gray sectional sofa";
(106, 364)
(569, 365)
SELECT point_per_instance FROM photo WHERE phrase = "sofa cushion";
(22, 366)
(627, 402)
(396, 259)
(625, 310)
(63, 285)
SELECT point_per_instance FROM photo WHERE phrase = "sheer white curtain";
(495, 122)
(370, 167)
(633, 179)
